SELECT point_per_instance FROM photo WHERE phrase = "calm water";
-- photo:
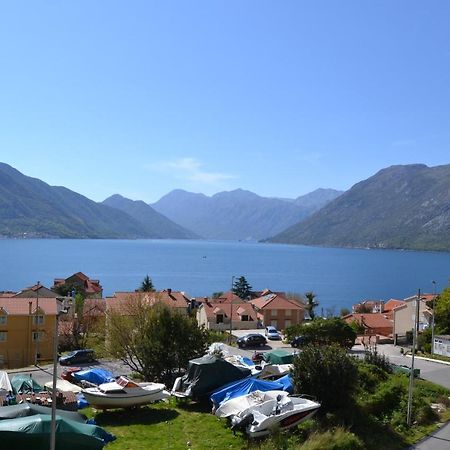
(339, 277)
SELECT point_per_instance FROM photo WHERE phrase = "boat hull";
(112, 401)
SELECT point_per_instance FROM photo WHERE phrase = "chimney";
(169, 291)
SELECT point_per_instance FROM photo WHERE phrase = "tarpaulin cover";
(208, 373)
(278, 357)
(96, 376)
(25, 384)
(5, 384)
(29, 409)
(287, 383)
(243, 387)
(63, 386)
(81, 401)
(34, 433)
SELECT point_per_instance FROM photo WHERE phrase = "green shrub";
(379, 360)
(329, 374)
(337, 439)
(425, 415)
(387, 397)
(370, 377)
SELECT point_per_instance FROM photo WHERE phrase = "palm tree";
(311, 303)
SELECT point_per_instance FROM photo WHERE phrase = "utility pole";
(231, 310)
(432, 319)
(37, 325)
(411, 374)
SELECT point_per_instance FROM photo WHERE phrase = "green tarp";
(209, 373)
(28, 409)
(33, 433)
(25, 384)
(278, 357)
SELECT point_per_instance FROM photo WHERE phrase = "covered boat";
(244, 387)
(25, 384)
(63, 386)
(206, 374)
(5, 383)
(94, 376)
(124, 393)
(33, 432)
(30, 409)
(278, 356)
(259, 413)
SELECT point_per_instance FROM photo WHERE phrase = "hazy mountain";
(237, 214)
(317, 199)
(399, 207)
(152, 221)
(30, 207)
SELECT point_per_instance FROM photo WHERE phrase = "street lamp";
(55, 367)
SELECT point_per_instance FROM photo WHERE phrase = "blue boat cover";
(286, 381)
(96, 376)
(243, 387)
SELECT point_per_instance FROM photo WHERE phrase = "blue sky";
(279, 98)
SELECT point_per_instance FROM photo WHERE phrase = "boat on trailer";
(260, 413)
(124, 393)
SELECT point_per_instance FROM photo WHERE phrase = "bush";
(379, 360)
(337, 439)
(370, 377)
(387, 397)
(324, 332)
(329, 374)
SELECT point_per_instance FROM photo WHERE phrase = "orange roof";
(21, 306)
(370, 320)
(274, 301)
(391, 304)
(90, 286)
(174, 299)
(239, 309)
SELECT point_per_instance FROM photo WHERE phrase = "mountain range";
(403, 206)
(29, 207)
(239, 214)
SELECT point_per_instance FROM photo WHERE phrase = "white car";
(272, 333)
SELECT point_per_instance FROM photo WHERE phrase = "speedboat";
(259, 413)
(124, 393)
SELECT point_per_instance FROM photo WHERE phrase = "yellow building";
(27, 327)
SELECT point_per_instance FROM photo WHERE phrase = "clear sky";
(277, 97)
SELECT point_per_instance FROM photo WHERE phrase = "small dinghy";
(259, 413)
(124, 393)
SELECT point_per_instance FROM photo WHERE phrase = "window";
(3, 320)
(244, 318)
(274, 312)
(288, 312)
(219, 318)
(37, 336)
(3, 336)
(38, 319)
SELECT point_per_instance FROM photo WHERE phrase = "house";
(368, 307)
(373, 324)
(38, 290)
(442, 345)
(216, 314)
(27, 329)
(79, 283)
(390, 305)
(404, 315)
(277, 310)
(173, 299)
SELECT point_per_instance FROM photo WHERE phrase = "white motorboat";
(124, 393)
(259, 413)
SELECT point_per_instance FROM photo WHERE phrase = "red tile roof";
(391, 304)
(275, 301)
(21, 306)
(90, 286)
(240, 308)
(174, 299)
(370, 320)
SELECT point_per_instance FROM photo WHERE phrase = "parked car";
(251, 340)
(299, 341)
(77, 357)
(272, 333)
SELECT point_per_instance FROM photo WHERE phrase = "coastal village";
(27, 317)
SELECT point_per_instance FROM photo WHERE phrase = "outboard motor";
(241, 423)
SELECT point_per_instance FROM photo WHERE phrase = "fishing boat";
(260, 413)
(124, 393)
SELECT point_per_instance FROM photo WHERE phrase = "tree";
(311, 303)
(442, 312)
(344, 312)
(327, 373)
(154, 340)
(324, 332)
(241, 288)
(217, 294)
(147, 285)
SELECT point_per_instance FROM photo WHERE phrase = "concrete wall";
(404, 318)
(442, 346)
